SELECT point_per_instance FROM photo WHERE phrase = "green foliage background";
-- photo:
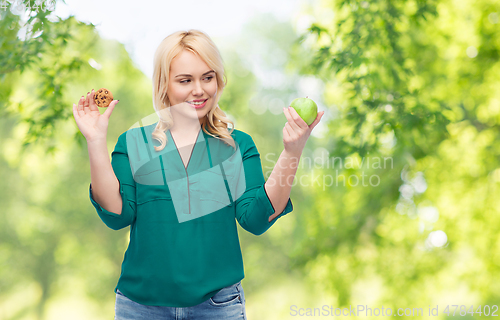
(412, 82)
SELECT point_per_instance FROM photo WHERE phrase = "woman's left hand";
(296, 131)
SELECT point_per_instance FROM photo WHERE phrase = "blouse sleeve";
(121, 167)
(254, 208)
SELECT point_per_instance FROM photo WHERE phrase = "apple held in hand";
(306, 108)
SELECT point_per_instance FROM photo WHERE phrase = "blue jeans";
(227, 304)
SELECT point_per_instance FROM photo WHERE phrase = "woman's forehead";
(188, 63)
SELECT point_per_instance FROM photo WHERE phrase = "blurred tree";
(32, 37)
(51, 241)
(412, 81)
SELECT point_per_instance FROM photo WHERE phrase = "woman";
(181, 197)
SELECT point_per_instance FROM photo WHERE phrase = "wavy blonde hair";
(216, 122)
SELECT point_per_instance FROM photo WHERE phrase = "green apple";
(306, 108)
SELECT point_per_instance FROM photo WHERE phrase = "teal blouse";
(184, 244)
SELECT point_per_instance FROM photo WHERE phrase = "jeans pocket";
(226, 297)
(118, 292)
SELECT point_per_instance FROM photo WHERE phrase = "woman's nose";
(197, 90)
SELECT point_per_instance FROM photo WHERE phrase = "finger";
(86, 103)
(80, 104)
(290, 119)
(110, 108)
(298, 120)
(75, 112)
(92, 105)
(316, 121)
(286, 136)
(291, 132)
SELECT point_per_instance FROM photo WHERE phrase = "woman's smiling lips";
(198, 106)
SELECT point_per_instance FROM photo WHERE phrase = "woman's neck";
(186, 128)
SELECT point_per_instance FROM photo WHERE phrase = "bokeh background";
(397, 197)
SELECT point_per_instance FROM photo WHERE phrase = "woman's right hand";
(91, 123)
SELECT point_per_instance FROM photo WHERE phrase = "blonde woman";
(181, 184)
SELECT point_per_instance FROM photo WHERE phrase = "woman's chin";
(194, 113)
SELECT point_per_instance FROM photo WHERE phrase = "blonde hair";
(216, 122)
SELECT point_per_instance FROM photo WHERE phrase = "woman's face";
(190, 80)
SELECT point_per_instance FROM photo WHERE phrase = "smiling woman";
(199, 91)
(188, 81)
(182, 199)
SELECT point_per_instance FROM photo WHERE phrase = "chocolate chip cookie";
(103, 97)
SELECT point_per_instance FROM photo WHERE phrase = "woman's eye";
(209, 79)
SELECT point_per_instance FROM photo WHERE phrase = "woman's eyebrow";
(188, 75)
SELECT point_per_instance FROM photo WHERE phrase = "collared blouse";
(184, 244)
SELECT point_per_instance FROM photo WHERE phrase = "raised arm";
(118, 207)
(295, 135)
(105, 187)
(114, 202)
